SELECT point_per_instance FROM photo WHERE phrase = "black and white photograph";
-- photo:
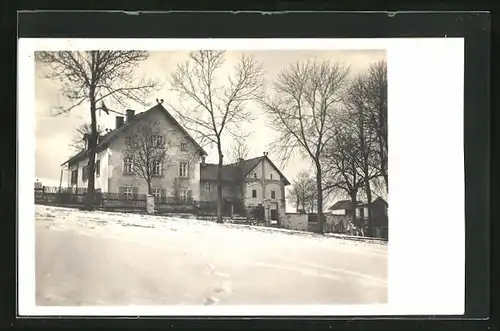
(210, 175)
(200, 177)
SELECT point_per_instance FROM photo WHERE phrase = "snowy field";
(98, 258)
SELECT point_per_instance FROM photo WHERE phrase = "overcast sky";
(53, 134)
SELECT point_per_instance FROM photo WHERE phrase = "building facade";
(252, 183)
(179, 175)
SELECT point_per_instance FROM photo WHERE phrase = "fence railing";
(73, 197)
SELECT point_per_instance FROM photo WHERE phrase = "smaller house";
(339, 219)
(379, 217)
(341, 216)
(254, 186)
(344, 207)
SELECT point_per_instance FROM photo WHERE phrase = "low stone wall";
(295, 221)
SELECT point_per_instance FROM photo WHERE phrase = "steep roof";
(380, 200)
(230, 172)
(110, 136)
(344, 204)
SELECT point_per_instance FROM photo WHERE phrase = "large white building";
(113, 170)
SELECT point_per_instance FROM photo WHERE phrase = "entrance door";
(274, 215)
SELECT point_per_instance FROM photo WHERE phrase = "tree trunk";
(382, 138)
(354, 196)
(369, 231)
(319, 205)
(219, 185)
(89, 200)
(150, 189)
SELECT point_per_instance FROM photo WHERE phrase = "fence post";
(150, 204)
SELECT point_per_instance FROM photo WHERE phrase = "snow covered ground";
(98, 258)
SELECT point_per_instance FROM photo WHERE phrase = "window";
(254, 193)
(157, 193)
(183, 169)
(98, 168)
(207, 186)
(185, 195)
(273, 195)
(184, 147)
(74, 176)
(271, 175)
(128, 192)
(157, 169)
(85, 172)
(254, 175)
(127, 165)
(157, 140)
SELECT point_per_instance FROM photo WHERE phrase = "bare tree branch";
(147, 150)
(212, 106)
(238, 150)
(78, 142)
(91, 76)
(302, 110)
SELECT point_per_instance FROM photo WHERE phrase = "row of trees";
(339, 122)
(336, 121)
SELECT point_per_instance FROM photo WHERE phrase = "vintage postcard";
(236, 177)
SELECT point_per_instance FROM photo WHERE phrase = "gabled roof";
(344, 204)
(230, 172)
(110, 136)
(380, 200)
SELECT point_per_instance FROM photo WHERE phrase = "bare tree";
(92, 76)
(146, 151)
(342, 155)
(212, 106)
(303, 192)
(78, 142)
(360, 121)
(237, 151)
(306, 96)
(374, 90)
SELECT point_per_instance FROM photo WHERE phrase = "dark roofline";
(115, 133)
(287, 182)
(341, 202)
(260, 158)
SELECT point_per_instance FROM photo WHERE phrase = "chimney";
(119, 121)
(130, 114)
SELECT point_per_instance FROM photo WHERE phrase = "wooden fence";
(75, 198)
